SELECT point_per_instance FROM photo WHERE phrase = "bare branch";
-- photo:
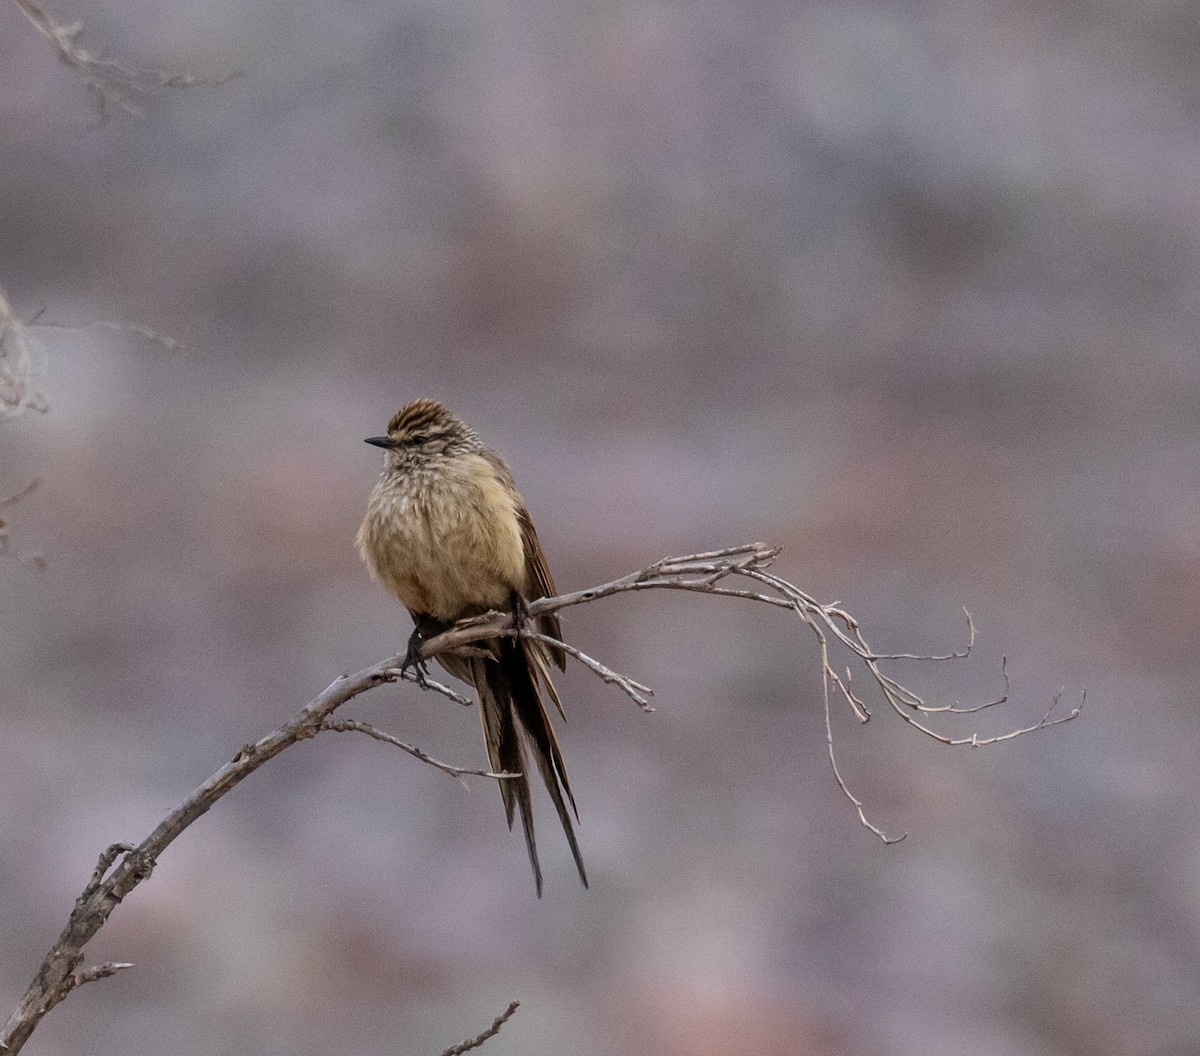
(112, 84)
(123, 866)
(491, 1032)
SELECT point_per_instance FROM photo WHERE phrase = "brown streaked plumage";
(448, 533)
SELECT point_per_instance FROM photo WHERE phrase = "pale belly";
(450, 551)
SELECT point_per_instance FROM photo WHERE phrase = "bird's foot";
(413, 659)
(520, 613)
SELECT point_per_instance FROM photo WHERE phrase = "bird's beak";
(381, 441)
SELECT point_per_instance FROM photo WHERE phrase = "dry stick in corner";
(491, 1032)
(123, 866)
(20, 367)
(112, 83)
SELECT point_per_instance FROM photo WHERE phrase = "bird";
(447, 533)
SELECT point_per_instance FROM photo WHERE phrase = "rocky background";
(908, 289)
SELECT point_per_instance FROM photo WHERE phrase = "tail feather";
(520, 666)
(499, 734)
(505, 752)
(535, 653)
(507, 686)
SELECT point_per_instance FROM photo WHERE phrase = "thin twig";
(634, 690)
(356, 726)
(19, 495)
(156, 337)
(12, 500)
(491, 1032)
(409, 675)
(97, 971)
(829, 675)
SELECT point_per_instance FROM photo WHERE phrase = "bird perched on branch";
(448, 533)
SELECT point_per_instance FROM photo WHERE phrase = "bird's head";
(424, 429)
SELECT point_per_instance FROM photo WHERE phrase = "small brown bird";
(448, 533)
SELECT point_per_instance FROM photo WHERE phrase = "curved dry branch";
(123, 865)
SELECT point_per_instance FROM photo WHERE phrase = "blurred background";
(908, 289)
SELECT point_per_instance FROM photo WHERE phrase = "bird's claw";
(413, 659)
(520, 613)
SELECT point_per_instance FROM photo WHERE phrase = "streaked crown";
(426, 426)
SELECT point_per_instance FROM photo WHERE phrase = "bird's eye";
(418, 439)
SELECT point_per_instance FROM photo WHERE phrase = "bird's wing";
(539, 583)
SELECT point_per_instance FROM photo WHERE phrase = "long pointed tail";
(510, 706)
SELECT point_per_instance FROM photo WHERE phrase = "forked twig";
(634, 690)
(837, 623)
